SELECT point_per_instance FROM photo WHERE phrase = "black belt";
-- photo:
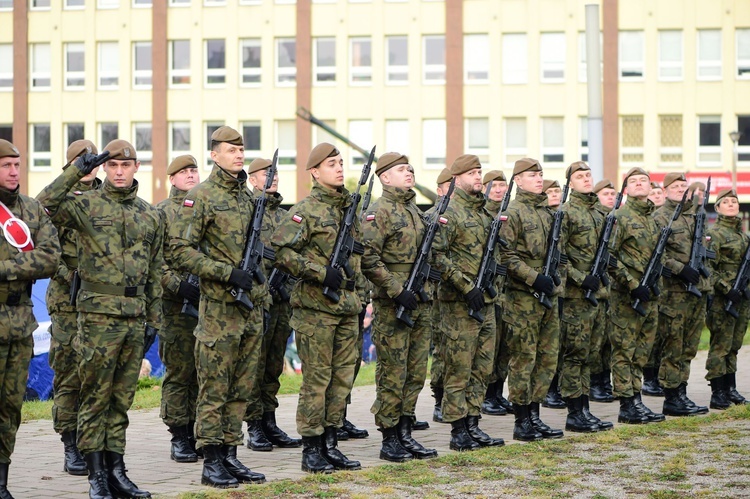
(106, 289)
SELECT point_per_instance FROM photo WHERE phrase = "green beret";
(79, 147)
(180, 163)
(257, 165)
(227, 134)
(603, 184)
(389, 160)
(674, 177)
(464, 163)
(655, 185)
(548, 184)
(726, 193)
(121, 150)
(526, 165)
(636, 170)
(320, 153)
(445, 176)
(493, 175)
(576, 166)
(7, 149)
(697, 185)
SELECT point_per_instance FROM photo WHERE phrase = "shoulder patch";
(708, 238)
(443, 220)
(503, 218)
(77, 193)
(297, 218)
(188, 202)
(370, 217)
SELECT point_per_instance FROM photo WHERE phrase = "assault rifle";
(603, 259)
(554, 258)
(654, 269)
(698, 251)
(345, 244)
(740, 283)
(367, 197)
(255, 251)
(188, 308)
(277, 282)
(421, 270)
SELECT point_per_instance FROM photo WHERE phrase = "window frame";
(101, 74)
(714, 149)
(146, 74)
(741, 64)
(45, 157)
(482, 67)
(623, 65)
(544, 150)
(7, 75)
(288, 72)
(359, 71)
(510, 153)
(319, 70)
(430, 162)
(74, 75)
(432, 68)
(396, 69)
(515, 75)
(179, 73)
(35, 73)
(214, 72)
(250, 72)
(711, 64)
(545, 42)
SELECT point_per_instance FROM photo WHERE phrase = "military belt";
(399, 267)
(106, 289)
(14, 299)
(534, 263)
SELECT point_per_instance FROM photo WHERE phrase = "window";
(477, 131)
(360, 133)
(325, 60)
(553, 142)
(216, 70)
(397, 136)
(107, 133)
(214, 3)
(179, 3)
(179, 138)
(73, 132)
(476, 59)
(251, 139)
(670, 141)
(320, 135)
(286, 63)
(743, 146)
(179, 53)
(286, 140)
(75, 75)
(709, 141)
(360, 70)
(142, 66)
(250, 2)
(41, 155)
(552, 57)
(6, 132)
(434, 60)
(6, 5)
(108, 4)
(143, 147)
(743, 53)
(250, 64)
(40, 66)
(515, 140)
(75, 4)
(40, 5)
(210, 128)
(709, 54)
(109, 66)
(6, 66)
(583, 57)
(583, 133)
(670, 55)
(433, 144)
(515, 63)
(397, 60)
(632, 139)
(143, 4)
(631, 55)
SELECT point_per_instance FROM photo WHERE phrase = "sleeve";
(375, 232)
(170, 278)
(569, 227)
(41, 261)
(154, 286)
(288, 240)
(449, 271)
(662, 218)
(517, 268)
(620, 273)
(63, 209)
(723, 279)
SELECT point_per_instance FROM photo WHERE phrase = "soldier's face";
(330, 173)
(258, 180)
(230, 157)
(120, 172)
(699, 195)
(607, 197)
(442, 189)
(470, 181)
(554, 195)
(498, 190)
(581, 181)
(10, 171)
(531, 181)
(657, 196)
(185, 179)
(400, 176)
(638, 186)
(675, 190)
(729, 207)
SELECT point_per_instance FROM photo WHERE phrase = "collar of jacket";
(177, 195)
(598, 206)
(274, 199)
(223, 178)
(645, 207)
(80, 186)
(588, 200)
(731, 222)
(473, 201)
(397, 194)
(335, 197)
(120, 194)
(493, 206)
(688, 208)
(9, 198)
(528, 197)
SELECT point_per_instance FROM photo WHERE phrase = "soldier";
(29, 250)
(176, 341)
(263, 433)
(207, 239)
(533, 329)
(696, 191)
(656, 194)
(119, 262)
(392, 234)
(582, 225)
(326, 330)
(554, 193)
(681, 313)
(631, 334)
(63, 358)
(727, 332)
(469, 345)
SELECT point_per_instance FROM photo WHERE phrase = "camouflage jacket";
(730, 244)
(635, 237)
(392, 232)
(582, 225)
(492, 207)
(304, 243)
(171, 278)
(120, 239)
(271, 220)
(208, 237)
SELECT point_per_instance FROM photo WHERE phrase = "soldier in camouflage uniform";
(392, 233)
(730, 244)
(582, 225)
(656, 195)
(469, 345)
(63, 358)
(263, 433)
(208, 239)
(651, 370)
(24, 256)
(119, 261)
(533, 329)
(631, 334)
(681, 314)
(179, 388)
(326, 329)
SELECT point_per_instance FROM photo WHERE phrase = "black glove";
(475, 299)
(241, 279)
(87, 162)
(189, 292)
(333, 278)
(543, 284)
(734, 296)
(149, 336)
(590, 283)
(641, 293)
(689, 275)
(407, 299)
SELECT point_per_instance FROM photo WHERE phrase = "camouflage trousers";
(438, 364)
(402, 361)
(179, 388)
(577, 331)
(657, 350)
(110, 351)
(270, 363)
(632, 337)
(502, 352)
(227, 348)
(727, 334)
(534, 342)
(468, 352)
(601, 350)
(15, 356)
(326, 345)
(681, 320)
(359, 344)
(63, 359)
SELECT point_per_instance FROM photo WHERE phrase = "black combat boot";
(392, 450)
(603, 425)
(73, 462)
(119, 483)
(598, 389)
(256, 439)
(577, 420)
(242, 473)
(352, 430)
(332, 453)
(4, 493)
(607, 383)
(730, 386)
(437, 412)
(523, 429)
(674, 405)
(404, 428)
(312, 457)
(651, 416)
(491, 406)
(629, 413)
(682, 391)
(190, 427)
(276, 435)
(98, 486)
(479, 436)
(417, 425)
(182, 451)
(650, 384)
(460, 438)
(505, 403)
(554, 400)
(214, 472)
(719, 396)
(539, 425)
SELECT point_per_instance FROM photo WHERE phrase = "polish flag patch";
(503, 218)
(77, 193)
(443, 220)
(297, 218)
(189, 203)
(708, 238)
(370, 217)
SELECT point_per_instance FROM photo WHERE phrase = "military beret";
(464, 163)
(603, 184)
(227, 134)
(670, 178)
(121, 150)
(548, 184)
(655, 185)
(576, 166)
(636, 170)
(493, 175)
(389, 160)
(8, 149)
(258, 164)
(180, 163)
(79, 147)
(525, 165)
(726, 193)
(697, 185)
(445, 176)
(320, 153)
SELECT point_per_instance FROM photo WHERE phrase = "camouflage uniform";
(600, 349)
(436, 323)
(119, 261)
(502, 352)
